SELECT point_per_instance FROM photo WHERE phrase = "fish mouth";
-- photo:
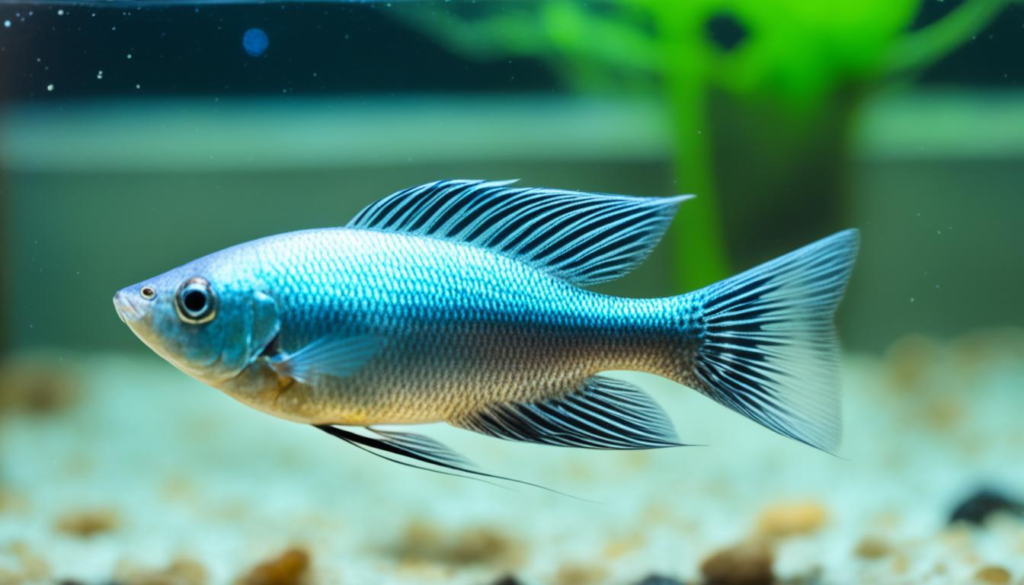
(125, 309)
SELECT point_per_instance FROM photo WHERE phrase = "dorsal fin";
(584, 238)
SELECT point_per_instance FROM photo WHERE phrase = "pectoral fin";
(336, 356)
(604, 413)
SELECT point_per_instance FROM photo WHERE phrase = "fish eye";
(195, 301)
(148, 293)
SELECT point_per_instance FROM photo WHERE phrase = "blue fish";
(464, 302)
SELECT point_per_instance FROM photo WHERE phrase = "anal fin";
(604, 413)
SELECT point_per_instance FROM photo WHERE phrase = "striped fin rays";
(583, 238)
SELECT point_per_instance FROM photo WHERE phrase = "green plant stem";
(699, 256)
(931, 43)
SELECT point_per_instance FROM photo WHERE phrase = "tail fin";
(768, 347)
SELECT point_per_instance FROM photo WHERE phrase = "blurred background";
(137, 136)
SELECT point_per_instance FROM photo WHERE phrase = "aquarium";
(337, 292)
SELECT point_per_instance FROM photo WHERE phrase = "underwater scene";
(511, 292)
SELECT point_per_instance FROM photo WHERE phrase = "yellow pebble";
(792, 518)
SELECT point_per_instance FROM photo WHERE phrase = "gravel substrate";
(142, 475)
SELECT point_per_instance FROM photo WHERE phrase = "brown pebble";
(786, 519)
(871, 547)
(480, 545)
(485, 545)
(180, 572)
(88, 523)
(288, 568)
(37, 384)
(992, 575)
(744, 564)
(580, 575)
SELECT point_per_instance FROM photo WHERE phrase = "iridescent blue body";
(462, 326)
(464, 302)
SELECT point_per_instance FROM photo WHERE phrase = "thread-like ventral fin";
(430, 449)
(769, 348)
(604, 413)
(584, 238)
(414, 447)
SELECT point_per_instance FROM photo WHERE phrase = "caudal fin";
(768, 346)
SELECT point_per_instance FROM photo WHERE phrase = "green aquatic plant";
(760, 93)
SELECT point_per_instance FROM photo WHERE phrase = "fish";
(467, 302)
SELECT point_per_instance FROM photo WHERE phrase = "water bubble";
(49, 87)
(7, 24)
(255, 42)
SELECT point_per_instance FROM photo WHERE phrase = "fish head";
(208, 318)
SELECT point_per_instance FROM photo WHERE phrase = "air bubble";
(255, 42)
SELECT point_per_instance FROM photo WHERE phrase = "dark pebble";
(983, 503)
(507, 580)
(659, 580)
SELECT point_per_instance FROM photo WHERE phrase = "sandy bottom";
(146, 476)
